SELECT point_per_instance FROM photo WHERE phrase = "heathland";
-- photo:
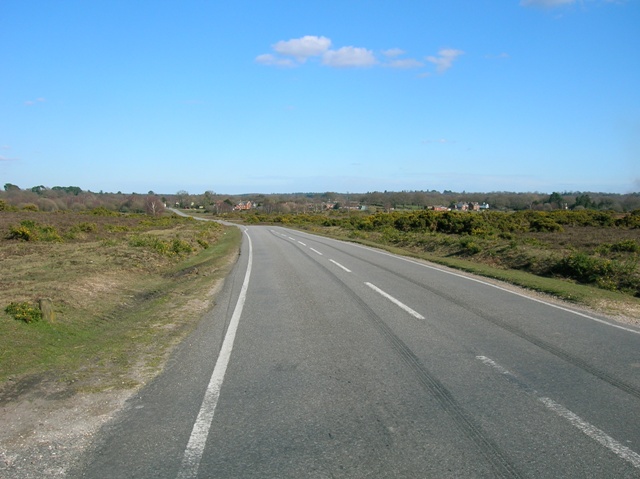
(118, 289)
(119, 279)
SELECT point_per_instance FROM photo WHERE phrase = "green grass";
(121, 342)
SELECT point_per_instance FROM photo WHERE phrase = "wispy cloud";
(272, 60)
(289, 53)
(297, 51)
(393, 52)
(303, 48)
(405, 63)
(445, 59)
(34, 102)
(4, 158)
(349, 57)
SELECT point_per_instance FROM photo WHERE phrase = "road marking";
(292, 239)
(589, 429)
(200, 431)
(577, 313)
(301, 243)
(395, 301)
(316, 251)
(340, 266)
(593, 432)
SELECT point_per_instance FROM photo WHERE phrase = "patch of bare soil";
(46, 424)
(45, 430)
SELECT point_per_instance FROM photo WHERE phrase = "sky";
(270, 96)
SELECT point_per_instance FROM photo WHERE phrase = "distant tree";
(11, 187)
(182, 198)
(153, 205)
(584, 201)
(39, 189)
(556, 200)
(73, 190)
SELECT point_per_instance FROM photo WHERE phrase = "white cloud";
(349, 57)
(33, 102)
(545, 3)
(272, 60)
(4, 158)
(445, 59)
(393, 52)
(303, 48)
(405, 63)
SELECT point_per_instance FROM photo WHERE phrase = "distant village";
(222, 206)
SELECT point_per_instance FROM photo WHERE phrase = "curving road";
(327, 359)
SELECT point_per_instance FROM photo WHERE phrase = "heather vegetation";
(598, 248)
(585, 237)
(118, 290)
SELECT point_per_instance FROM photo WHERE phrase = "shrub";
(23, 312)
(544, 224)
(49, 233)
(29, 230)
(102, 211)
(179, 246)
(469, 246)
(626, 246)
(21, 233)
(86, 227)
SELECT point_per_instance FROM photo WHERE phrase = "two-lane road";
(328, 359)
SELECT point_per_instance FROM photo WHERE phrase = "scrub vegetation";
(121, 289)
(587, 256)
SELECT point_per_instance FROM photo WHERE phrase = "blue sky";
(313, 96)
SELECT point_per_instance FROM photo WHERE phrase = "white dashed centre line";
(340, 266)
(413, 313)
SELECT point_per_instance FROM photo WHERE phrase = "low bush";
(29, 230)
(24, 312)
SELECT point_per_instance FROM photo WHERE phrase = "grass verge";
(120, 305)
(613, 303)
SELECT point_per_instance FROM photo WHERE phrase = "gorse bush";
(604, 273)
(628, 246)
(29, 230)
(173, 247)
(24, 312)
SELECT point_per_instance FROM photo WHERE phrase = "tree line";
(75, 198)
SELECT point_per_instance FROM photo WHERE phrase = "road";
(324, 359)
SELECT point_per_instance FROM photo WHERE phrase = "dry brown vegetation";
(106, 275)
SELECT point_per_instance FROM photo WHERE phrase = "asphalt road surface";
(324, 359)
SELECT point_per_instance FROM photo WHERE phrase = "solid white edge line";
(593, 432)
(200, 431)
(340, 266)
(498, 287)
(589, 429)
(395, 301)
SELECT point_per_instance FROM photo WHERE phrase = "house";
(243, 206)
